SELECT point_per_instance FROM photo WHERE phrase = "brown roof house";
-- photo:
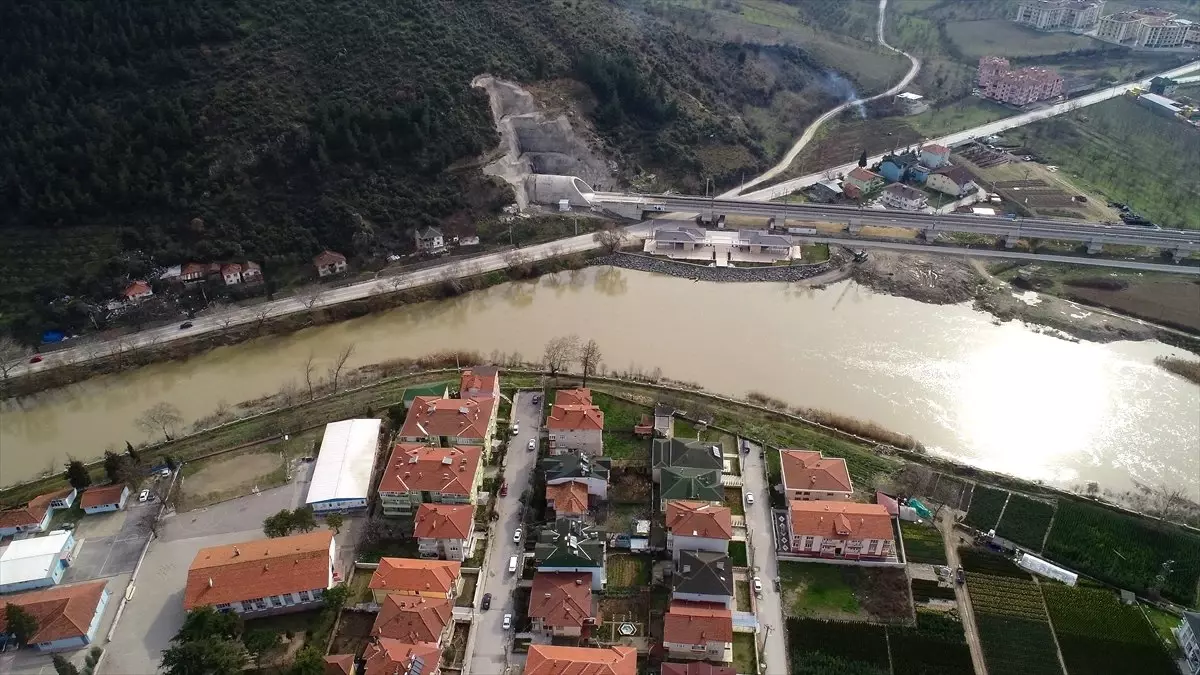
(698, 630)
(263, 576)
(340, 664)
(414, 619)
(421, 474)
(575, 424)
(329, 262)
(698, 526)
(843, 530)
(396, 657)
(446, 422)
(137, 291)
(555, 660)
(412, 577)
(35, 516)
(68, 617)
(807, 475)
(445, 530)
(568, 499)
(104, 498)
(952, 180)
(561, 603)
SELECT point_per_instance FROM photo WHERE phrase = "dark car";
(185, 324)
(504, 489)
(487, 601)
(960, 576)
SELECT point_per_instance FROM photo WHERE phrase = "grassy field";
(223, 477)
(627, 571)
(745, 654)
(1000, 36)
(1125, 153)
(963, 114)
(816, 590)
(619, 419)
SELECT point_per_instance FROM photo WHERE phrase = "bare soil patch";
(939, 280)
(1171, 303)
(231, 476)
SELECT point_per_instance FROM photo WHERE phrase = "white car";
(507, 622)
(757, 586)
(532, 444)
(516, 428)
(165, 473)
(517, 536)
(143, 495)
(749, 497)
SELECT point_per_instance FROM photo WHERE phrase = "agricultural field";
(923, 544)
(844, 593)
(1097, 634)
(627, 571)
(619, 418)
(1025, 521)
(1006, 596)
(1089, 538)
(977, 560)
(925, 589)
(936, 646)
(1013, 646)
(1035, 188)
(986, 505)
(818, 647)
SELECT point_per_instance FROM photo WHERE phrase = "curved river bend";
(1001, 397)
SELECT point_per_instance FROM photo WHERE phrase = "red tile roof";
(862, 175)
(696, 623)
(561, 599)
(137, 289)
(479, 382)
(570, 498)
(259, 568)
(841, 520)
(699, 519)
(393, 657)
(808, 470)
(328, 258)
(455, 417)
(61, 612)
(412, 619)
(575, 418)
(193, 268)
(339, 664)
(444, 521)
(102, 496)
(573, 397)
(552, 660)
(33, 512)
(231, 268)
(415, 468)
(417, 576)
(695, 668)
(936, 149)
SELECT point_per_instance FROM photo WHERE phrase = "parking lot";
(155, 612)
(111, 543)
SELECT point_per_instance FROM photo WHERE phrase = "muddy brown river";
(1001, 397)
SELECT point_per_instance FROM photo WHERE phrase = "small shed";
(104, 499)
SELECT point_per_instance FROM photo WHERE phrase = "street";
(762, 551)
(492, 642)
(946, 525)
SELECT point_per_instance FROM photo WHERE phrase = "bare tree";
(397, 281)
(226, 320)
(560, 353)
(589, 359)
(310, 296)
(519, 263)
(162, 417)
(12, 353)
(339, 364)
(308, 375)
(611, 239)
(260, 316)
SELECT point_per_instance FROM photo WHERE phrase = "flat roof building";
(36, 562)
(342, 477)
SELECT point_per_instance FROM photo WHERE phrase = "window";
(288, 599)
(304, 596)
(276, 601)
(317, 593)
(223, 607)
(254, 603)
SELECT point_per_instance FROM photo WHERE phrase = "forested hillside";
(136, 132)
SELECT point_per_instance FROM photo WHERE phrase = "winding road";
(812, 129)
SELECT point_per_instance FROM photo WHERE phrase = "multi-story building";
(446, 422)
(263, 576)
(952, 180)
(421, 474)
(898, 196)
(844, 530)
(414, 619)
(698, 526)
(562, 603)
(567, 545)
(1149, 27)
(67, 617)
(555, 660)
(444, 530)
(429, 239)
(687, 470)
(412, 577)
(575, 424)
(695, 668)
(572, 468)
(860, 182)
(395, 657)
(1017, 87)
(701, 576)
(1055, 15)
(698, 630)
(1188, 634)
(807, 476)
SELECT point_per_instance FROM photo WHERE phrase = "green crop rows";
(1099, 635)
(1025, 521)
(1006, 596)
(987, 562)
(986, 504)
(818, 647)
(1013, 646)
(924, 589)
(923, 544)
(936, 646)
(1125, 551)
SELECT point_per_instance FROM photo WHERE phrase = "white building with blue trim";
(36, 562)
(342, 477)
(68, 617)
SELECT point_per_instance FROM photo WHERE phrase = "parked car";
(507, 622)
(166, 473)
(37, 358)
(185, 324)
(487, 602)
(517, 536)
(504, 489)
(749, 497)
(960, 576)
(512, 564)
(143, 495)
(537, 399)
(515, 428)
(532, 444)
(757, 586)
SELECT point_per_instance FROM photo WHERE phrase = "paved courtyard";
(111, 543)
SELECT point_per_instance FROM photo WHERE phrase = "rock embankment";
(675, 268)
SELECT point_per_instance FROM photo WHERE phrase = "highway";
(811, 131)
(789, 186)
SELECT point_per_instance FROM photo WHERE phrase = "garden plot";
(1013, 627)
(1098, 635)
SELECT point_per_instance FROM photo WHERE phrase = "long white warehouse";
(342, 477)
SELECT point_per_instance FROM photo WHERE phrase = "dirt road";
(946, 525)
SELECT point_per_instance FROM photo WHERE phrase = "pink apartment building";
(1017, 87)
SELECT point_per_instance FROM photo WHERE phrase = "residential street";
(492, 642)
(946, 525)
(762, 552)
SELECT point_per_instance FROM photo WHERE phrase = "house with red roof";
(340, 664)
(384, 656)
(412, 577)
(104, 498)
(421, 474)
(575, 424)
(329, 262)
(555, 660)
(698, 630)
(445, 530)
(446, 422)
(137, 291)
(561, 603)
(35, 515)
(935, 155)
(568, 499)
(264, 576)
(68, 617)
(862, 182)
(807, 475)
(414, 619)
(842, 530)
(698, 526)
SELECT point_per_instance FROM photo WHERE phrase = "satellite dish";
(627, 629)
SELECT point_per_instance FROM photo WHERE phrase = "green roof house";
(687, 470)
(568, 545)
(570, 466)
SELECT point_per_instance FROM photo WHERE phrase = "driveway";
(946, 525)
(490, 655)
(762, 549)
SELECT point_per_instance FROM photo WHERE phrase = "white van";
(512, 564)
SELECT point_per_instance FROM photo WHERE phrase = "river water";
(1001, 397)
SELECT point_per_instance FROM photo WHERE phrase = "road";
(789, 186)
(812, 129)
(492, 642)
(967, 614)
(759, 541)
